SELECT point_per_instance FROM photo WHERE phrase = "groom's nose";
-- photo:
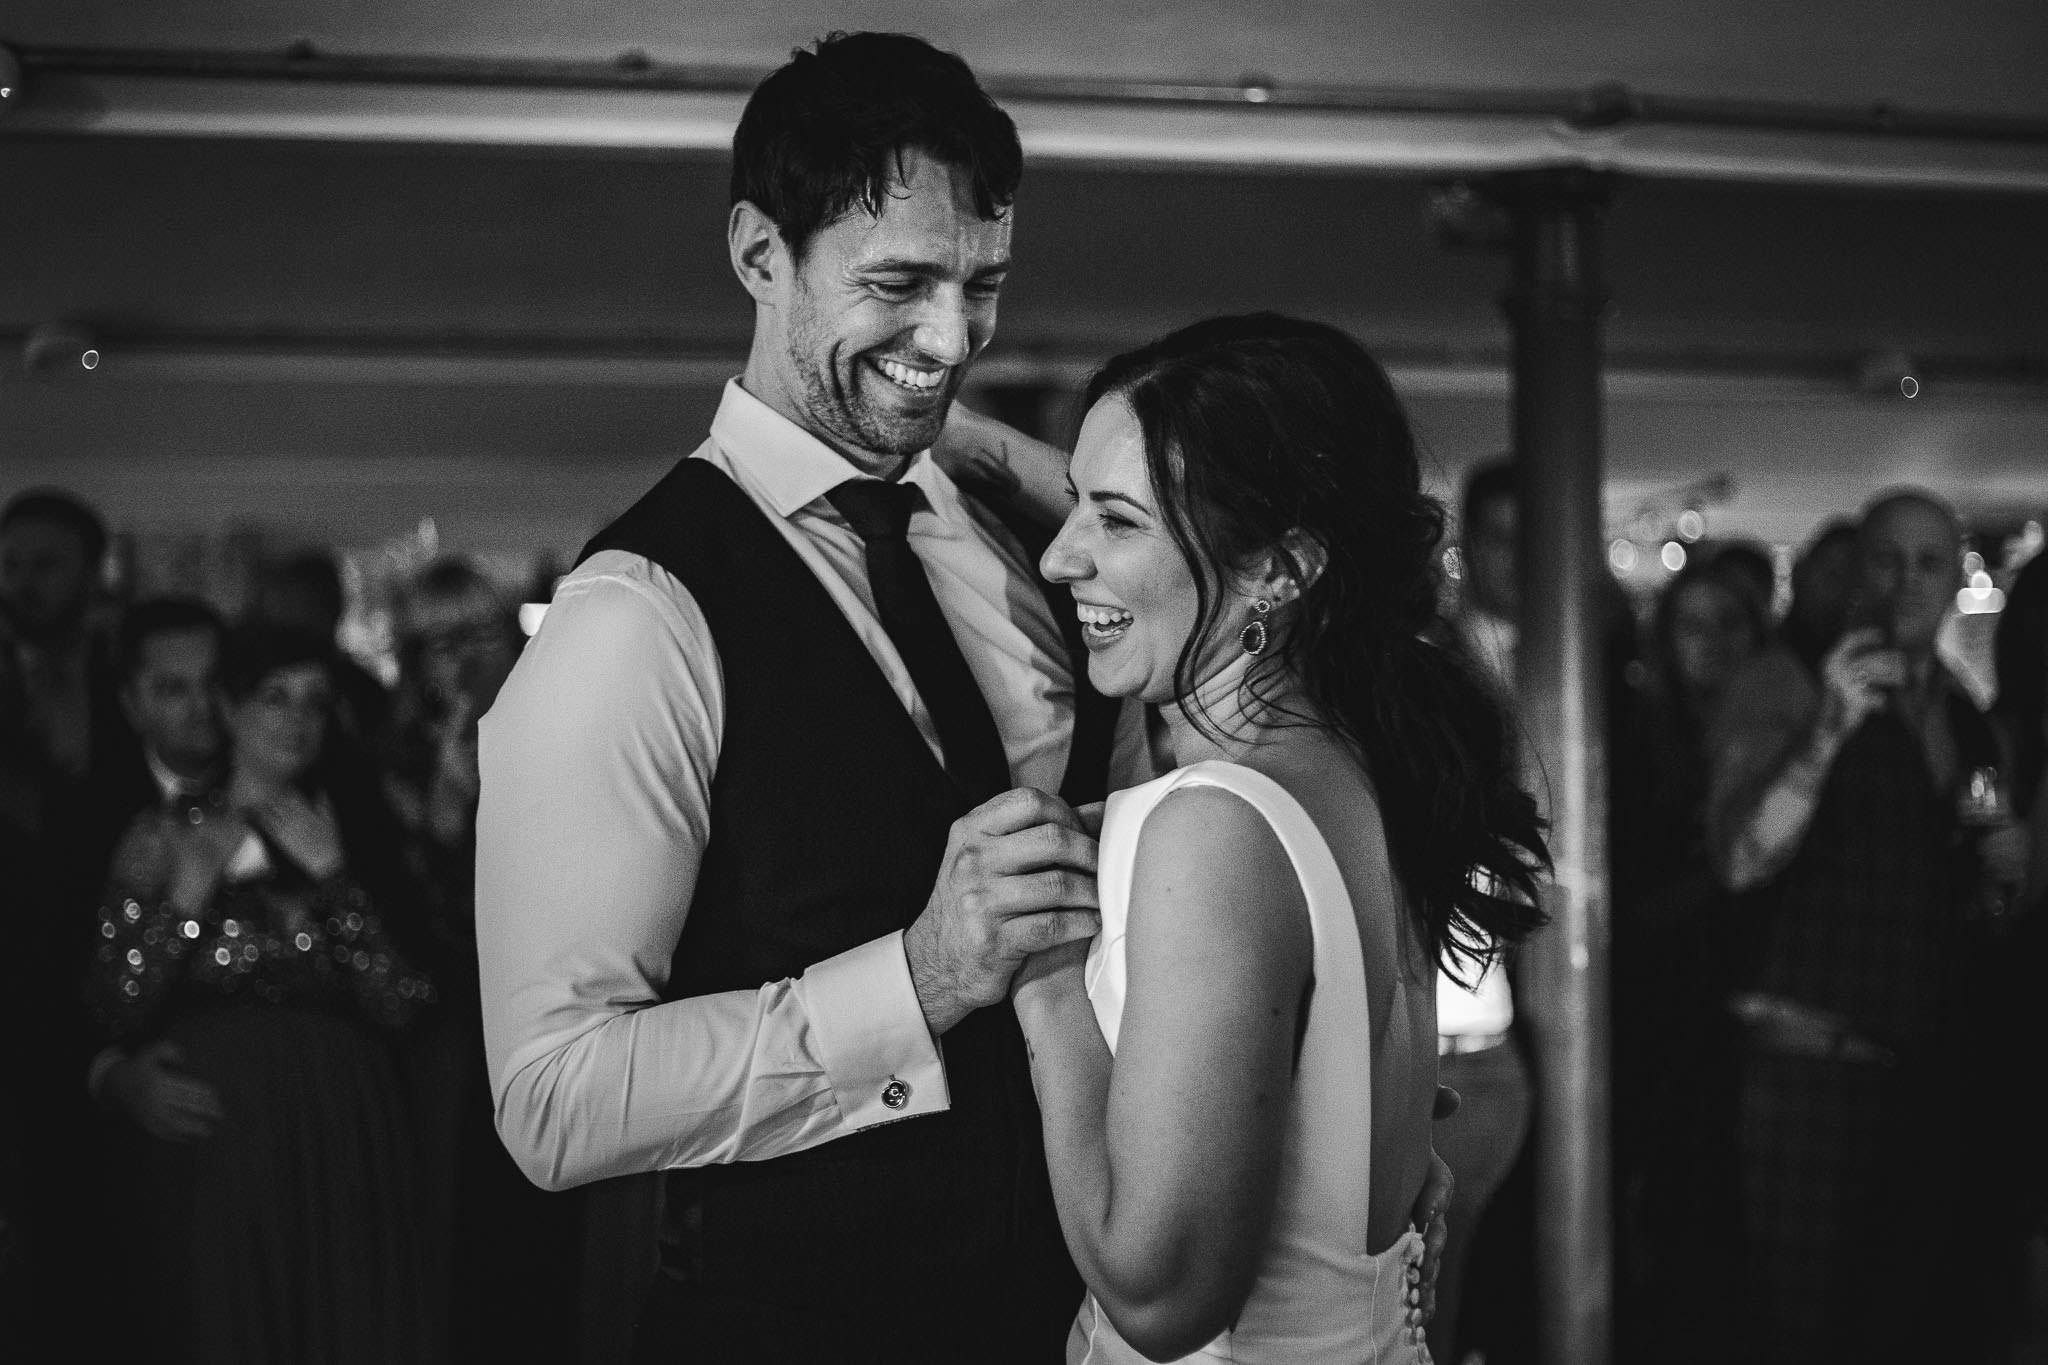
(943, 331)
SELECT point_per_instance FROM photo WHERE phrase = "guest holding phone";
(1834, 804)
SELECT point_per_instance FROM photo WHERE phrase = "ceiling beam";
(74, 355)
(634, 105)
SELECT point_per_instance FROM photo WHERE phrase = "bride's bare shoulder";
(1212, 882)
(1194, 817)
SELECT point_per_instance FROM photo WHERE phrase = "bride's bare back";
(1319, 770)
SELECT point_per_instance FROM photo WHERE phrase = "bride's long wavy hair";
(1267, 434)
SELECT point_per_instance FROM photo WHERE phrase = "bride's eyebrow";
(1109, 495)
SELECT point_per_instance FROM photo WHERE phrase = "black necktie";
(880, 514)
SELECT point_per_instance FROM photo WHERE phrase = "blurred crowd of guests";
(250, 1120)
(1828, 866)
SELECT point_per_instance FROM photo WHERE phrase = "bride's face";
(1132, 589)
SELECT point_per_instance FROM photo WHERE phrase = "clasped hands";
(152, 1087)
(1017, 879)
(187, 859)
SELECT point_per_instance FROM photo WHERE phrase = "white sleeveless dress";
(1319, 1299)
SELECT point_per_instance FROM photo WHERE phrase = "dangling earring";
(1252, 639)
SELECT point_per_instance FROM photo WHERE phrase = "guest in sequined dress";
(251, 939)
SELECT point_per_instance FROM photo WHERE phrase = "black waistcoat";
(829, 817)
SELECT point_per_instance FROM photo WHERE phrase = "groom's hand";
(1018, 878)
(1430, 1207)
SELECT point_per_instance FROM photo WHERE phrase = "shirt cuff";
(870, 1034)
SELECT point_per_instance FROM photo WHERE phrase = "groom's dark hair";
(827, 132)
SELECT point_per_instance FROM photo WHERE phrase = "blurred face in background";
(170, 700)
(1911, 566)
(276, 730)
(1488, 549)
(463, 646)
(1823, 584)
(45, 577)
(1711, 637)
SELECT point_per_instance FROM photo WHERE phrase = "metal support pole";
(1554, 306)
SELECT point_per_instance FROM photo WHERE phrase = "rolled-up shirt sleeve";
(597, 762)
(1760, 795)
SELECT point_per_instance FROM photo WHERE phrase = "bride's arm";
(1003, 464)
(1165, 1158)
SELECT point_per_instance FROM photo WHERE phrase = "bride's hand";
(1046, 975)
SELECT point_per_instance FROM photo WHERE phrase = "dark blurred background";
(426, 294)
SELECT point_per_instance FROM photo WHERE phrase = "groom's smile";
(884, 312)
(912, 378)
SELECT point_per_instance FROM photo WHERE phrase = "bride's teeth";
(1101, 617)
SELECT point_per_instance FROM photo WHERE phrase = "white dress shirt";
(597, 763)
(1486, 1009)
(170, 785)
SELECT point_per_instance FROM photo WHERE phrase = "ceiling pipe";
(54, 353)
(1597, 108)
(634, 105)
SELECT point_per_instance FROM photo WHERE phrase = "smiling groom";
(764, 812)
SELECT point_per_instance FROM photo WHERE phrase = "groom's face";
(885, 313)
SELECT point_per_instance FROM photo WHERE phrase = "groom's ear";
(758, 255)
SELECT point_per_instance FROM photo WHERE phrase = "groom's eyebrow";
(918, 265)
